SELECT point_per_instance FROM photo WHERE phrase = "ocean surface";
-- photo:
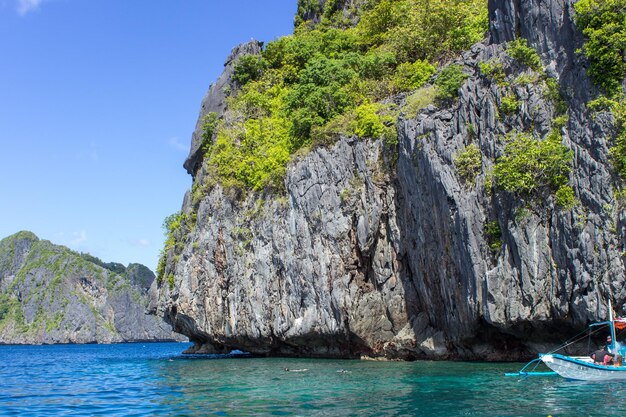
(155, 379)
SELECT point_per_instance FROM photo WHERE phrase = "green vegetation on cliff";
(468, 163)
(603, 23)
(529, 166)
(172, 227)
(519, 50)
(330, 79)
(618, 151)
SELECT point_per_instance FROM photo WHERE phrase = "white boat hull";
(582, 368)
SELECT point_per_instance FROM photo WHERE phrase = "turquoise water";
(155, 379)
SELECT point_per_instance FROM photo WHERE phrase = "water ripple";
(155, 379)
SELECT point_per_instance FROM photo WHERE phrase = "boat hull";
(584, 370)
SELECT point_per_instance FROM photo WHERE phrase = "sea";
(154, 379)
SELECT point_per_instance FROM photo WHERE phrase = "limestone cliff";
(50, 294)
(357, 259)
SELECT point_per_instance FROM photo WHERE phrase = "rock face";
(49, 294)
(311, 10)
(215, 101)
(362, 259)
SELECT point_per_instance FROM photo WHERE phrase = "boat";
(583, 368)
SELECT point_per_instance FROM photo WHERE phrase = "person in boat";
(601, 356)
(615, 350)
(609, 344)
(604, 355)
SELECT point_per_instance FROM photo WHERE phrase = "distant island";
(50, 294)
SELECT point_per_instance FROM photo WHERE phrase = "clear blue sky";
(98, 100)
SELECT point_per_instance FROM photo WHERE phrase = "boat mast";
(612, 326)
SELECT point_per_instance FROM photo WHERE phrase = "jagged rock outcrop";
(311, 10)
(360, 259)
(215, 101)
(50, 294)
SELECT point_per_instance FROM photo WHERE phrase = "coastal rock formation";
(50, 294)
(358, 259)
(215, 101)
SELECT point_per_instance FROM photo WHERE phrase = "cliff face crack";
(308, 188)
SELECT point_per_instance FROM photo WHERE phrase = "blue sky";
(98, 99)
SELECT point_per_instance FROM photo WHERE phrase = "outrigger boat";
(583, 367)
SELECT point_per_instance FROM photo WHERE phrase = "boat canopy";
(620, 323)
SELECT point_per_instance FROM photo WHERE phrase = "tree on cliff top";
(315, 85)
